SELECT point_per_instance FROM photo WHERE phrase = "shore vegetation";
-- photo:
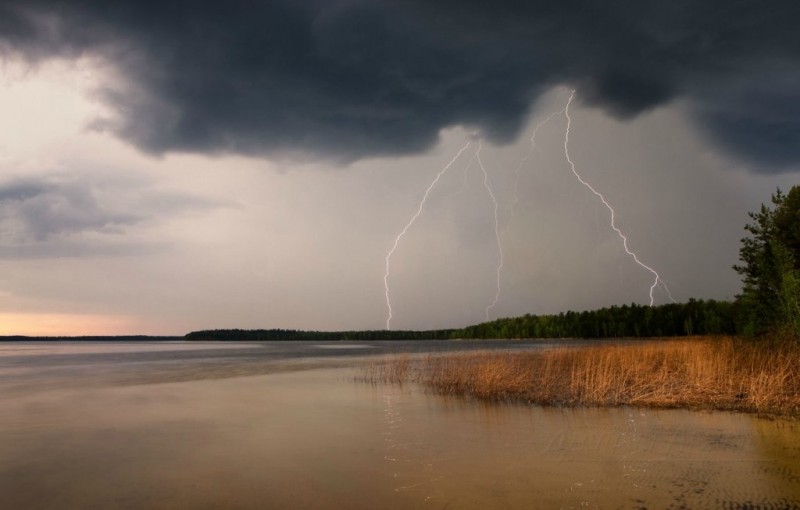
(723, 373)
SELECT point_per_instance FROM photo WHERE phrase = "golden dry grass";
(713, 373)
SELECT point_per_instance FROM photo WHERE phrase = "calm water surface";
(175, 425)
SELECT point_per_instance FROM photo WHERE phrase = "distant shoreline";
(91, 338)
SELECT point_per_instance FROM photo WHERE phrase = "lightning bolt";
(463, 187)
(515, 200)
(488, 185)
(409, 225)
(532, 147)
(656, 278)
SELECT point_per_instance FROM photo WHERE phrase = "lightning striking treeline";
(657, 279)
(488, 185)
(515, 200)
(408, 226)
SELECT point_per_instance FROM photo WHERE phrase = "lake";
(286, 425)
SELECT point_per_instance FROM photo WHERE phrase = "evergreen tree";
(770, 255)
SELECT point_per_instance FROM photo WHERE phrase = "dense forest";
(697, 317)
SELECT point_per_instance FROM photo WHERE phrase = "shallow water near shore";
(242, 426)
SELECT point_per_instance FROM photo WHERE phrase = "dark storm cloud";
(353, 78)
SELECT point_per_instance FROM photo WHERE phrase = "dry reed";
(712, 373)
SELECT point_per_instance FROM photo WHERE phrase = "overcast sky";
(168, 167)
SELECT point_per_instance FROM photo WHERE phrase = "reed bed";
(711, 373)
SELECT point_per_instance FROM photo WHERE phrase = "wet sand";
(303, 434)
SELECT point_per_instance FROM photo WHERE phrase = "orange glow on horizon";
(65, 324)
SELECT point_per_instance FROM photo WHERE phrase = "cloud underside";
(347, 79)
(56, 215)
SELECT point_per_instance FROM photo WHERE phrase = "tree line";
(245, 335)
(697, 317)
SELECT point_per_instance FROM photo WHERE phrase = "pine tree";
(770, 269)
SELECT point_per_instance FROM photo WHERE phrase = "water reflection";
(316, 439)
(474, 455)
